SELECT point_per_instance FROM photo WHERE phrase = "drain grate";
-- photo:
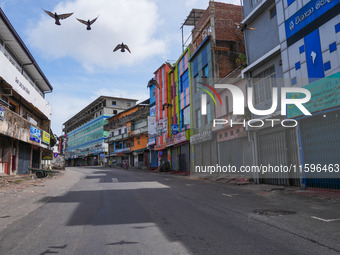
(273, 212)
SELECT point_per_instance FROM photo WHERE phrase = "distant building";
(85, 133)
(128, 136)
(25, 134)
(153, 155)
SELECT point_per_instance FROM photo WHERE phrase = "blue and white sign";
(174, 129)
(307, 14)
(35, 134)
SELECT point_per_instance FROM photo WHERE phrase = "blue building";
(153, 155)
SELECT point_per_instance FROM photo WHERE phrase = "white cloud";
(133, 22)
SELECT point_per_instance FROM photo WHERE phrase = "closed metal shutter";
(320, 142)
(278, 146)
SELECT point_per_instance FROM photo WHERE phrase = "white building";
(24, 112)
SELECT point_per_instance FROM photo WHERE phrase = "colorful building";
(162, 108)
(179, 114)
(128, 136)
(152, 124)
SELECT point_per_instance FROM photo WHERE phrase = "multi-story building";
(179, 113)
(273, 144)
(85, 132)
(25, 134)
(309, 36)
(152, 124)
(128, 136)
(216, 46)
(162, 108)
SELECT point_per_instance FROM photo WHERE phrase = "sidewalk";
(20, 195)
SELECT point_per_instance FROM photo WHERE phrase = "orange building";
(128, 136)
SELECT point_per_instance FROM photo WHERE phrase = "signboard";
(174, 129)
(170, 141)
(151, 141)
(2, 113)
(325, 94)
(152, 125)
(165, 126)
(45, 137)
(201, 137)
(55, 155)
(153, 111)
(308, 13)
(46, 155)
(35, 134)
(181, 137)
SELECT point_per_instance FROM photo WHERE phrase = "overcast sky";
(81, 64)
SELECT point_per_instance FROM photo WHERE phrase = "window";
(114, 111)
(128, 104)
(205, 72)
(208, 118)
(272, 12)
(263, 84)
(253, 3)
(100, 113)
(186, 116)
(227, 104)
(198, 118)
(184, 80)
(114, 103)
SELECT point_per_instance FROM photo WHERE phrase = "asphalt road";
(115, 211)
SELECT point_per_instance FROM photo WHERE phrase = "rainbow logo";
(209, 93)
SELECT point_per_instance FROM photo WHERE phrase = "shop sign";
(181, 137)
(325, 94)
(174, 129)
(35, 134)
(308, 13)
(153, 111)
(47, 155)
(2, 113)
(201, 137)
(45, 137)
(170, 141)
(152, 141)
(152, 126)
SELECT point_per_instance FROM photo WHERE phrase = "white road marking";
(229, 195)
(325, 220)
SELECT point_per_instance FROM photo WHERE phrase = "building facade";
(25, 134)
(162, 111)
(216, 46)
(152, 124)
(311, 59)
(272, 144)
(128, 137)
(85, 132)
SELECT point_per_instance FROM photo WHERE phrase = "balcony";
(15, 126)
(140, 113)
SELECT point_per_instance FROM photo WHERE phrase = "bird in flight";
(88, 23)
(58, 17)
(122, 48)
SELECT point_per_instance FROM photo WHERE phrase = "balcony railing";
(140, 113)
